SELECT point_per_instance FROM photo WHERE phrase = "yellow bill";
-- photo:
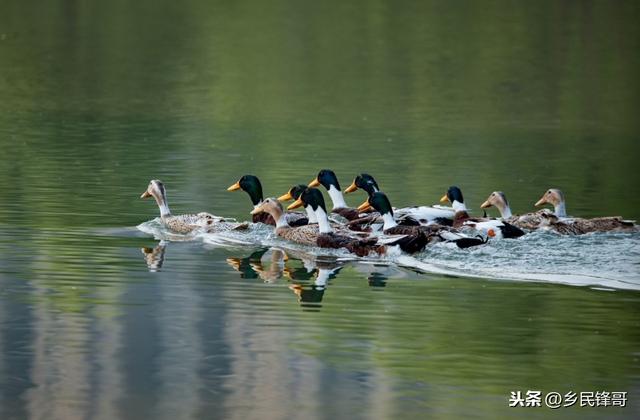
(351, 188)
(234, 187)
(314, 183)
(285, 197)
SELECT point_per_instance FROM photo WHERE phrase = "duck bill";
(314, 183)
(485, 205)
(234, 187)
(256, 210)
(351, 188)
(541, 202)
(285, 197)
(444, 199)
(364, 207)
(295, 204)
(145, 194)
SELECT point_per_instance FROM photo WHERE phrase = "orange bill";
(364, 207)
(485, 205)
(145, 194)
(295, 204)
(444, 199)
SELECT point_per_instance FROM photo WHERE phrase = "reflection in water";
(154, 257)
(308, 275)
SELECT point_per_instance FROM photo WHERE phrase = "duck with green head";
(328, 179)
(252, 186)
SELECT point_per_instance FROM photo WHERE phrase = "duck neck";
(323, 221)
(311, 215)
(458, 206)
(336, 197)
(278, 216)
(560, 210)
(162, 204)
(505, 211)
(389, 222)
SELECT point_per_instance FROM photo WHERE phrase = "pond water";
(102, 318)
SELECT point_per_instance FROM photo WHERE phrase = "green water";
(96, 98)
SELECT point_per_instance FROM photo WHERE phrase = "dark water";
(98, 98)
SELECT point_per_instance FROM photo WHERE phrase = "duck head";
(156, 190)
(312, 200)
(498, 200)
(555, 197)
(364, 182)
(328, 179)
(380, 202)
(293, 194)
(251, 185)
(454, 196)
(274, 208)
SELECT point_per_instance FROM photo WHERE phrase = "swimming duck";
(252, 186)
(184, 223)
(420, 235)
(328, 179)
(320, 235)
(576, 225)
(528, 221)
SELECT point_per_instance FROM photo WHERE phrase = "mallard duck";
(320, 235)
(328, 179)
(575, 225)
(184, 223)
(293, 194)
(417, 236)
(252, 186)
(364, 182)
(454, 196)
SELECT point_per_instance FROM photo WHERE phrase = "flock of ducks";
(376, 226)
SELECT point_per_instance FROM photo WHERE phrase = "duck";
(461, 218)
(365, 182)
(454, 196)
(328, 179)
(252, 186)
(186, 223)
(575, 225)
(293, 194)
(320, 235)
(419, 236)
(527, 221)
